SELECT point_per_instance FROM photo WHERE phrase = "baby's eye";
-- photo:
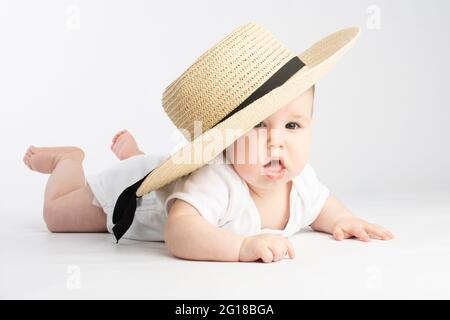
(294, 123)
(259, 125)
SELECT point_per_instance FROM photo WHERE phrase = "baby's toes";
(32, 150)
(115, 138)
(26, 160)
(115, 143)
(114, 146)
(28, 154)
(117, 135)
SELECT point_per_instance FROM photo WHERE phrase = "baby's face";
(285, 135)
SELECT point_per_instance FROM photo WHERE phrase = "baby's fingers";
(390, 234)
(290, 249)
(279, 250)
(338, 234)
(361, 234)
(379, 232)
(266, 255)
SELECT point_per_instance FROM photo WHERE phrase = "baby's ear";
(227, 154)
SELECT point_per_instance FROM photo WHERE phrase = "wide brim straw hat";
(240, 81)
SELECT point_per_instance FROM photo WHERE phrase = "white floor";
(37, 264)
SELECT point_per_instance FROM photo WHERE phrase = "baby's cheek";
(247, 172)
(256, 174)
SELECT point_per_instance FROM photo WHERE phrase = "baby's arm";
(337, 220)
(189, 236)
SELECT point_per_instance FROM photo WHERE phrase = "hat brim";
(319, 59)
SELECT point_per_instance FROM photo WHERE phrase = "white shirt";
(223, 198)
(219, 194)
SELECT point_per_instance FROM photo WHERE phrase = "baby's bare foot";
(124, 145)
(44, 159)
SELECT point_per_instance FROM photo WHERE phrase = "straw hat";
(233, 86)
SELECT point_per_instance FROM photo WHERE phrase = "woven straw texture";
(222, 78)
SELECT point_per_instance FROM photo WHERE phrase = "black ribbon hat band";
(125, 209)
(125, 206)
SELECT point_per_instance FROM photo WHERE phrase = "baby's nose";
(275, 139)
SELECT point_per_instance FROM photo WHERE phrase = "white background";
(75, 72)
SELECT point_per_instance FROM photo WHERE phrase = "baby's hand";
(266, 247)
(350, 226)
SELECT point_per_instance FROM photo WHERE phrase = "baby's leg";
(68, 199)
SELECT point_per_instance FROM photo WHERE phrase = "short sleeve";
(204, 189)
(316, 194)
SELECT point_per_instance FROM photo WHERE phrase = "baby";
(238, 211)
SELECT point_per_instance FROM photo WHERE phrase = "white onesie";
(219, 194)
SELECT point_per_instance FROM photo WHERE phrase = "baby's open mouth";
(274, 169)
